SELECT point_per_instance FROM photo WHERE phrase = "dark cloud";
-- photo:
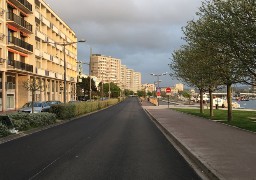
(142, 33)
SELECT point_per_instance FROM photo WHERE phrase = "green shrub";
(63, 111)
(25, 121)
(70, 110)
(4, 130)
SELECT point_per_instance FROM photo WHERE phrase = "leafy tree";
(149, 93)
(141, 93)
(222, 40)
(187, 95)
(83, 87)
(188, 66)
(224, 28)
(114, 89)
(33, 85)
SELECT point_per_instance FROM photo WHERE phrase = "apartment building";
(25, 27)
(110, 69)
(123, 77)
(106, 68)
(136, 81)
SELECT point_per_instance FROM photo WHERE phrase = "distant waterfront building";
(148, 87)
(25, 25)
(179, 87)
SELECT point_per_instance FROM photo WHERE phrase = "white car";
(39, 106)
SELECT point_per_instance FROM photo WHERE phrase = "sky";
(142, 33)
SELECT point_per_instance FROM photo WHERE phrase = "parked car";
(39, 106)
(50, 103)
(74, 101)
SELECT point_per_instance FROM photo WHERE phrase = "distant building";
(110, 69)
(179, 87)
(148, 87)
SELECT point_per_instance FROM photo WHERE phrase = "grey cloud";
(143, 33)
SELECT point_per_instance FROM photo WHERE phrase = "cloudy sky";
(142, 33)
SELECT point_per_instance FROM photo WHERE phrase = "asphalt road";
(120, 142)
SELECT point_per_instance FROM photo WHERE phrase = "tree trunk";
(211, 103)
(201, 102)
(33, 93)
(229, 101)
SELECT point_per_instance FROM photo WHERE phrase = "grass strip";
(242, 119)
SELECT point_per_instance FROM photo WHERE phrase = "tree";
(222, 26)
(223, 40)
(188, 66)
(114, 89)
(83, 87)
(33, 85)
(141, 93)
(187, 94)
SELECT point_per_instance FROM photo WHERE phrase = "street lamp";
(90, 80)
(158, 81)
(64, 44)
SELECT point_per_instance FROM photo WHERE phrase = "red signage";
(158, 93)
(168, 90)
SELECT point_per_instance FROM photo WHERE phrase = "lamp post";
(64, 44)
(90, 80)
(102, 85)
(109, 92)
(158, 75)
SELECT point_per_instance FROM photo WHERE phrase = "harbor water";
(251, 104)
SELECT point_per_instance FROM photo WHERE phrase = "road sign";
(158, 93)
(168, 91)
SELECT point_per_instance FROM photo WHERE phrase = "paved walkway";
(223, 151)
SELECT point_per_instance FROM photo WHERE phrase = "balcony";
(19, 22)
(23, 5)
(20, 65)
(19, 45)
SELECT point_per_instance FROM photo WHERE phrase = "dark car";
(50, 103)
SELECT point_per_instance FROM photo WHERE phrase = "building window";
(38, 63)
(37, 44)
(22, 59)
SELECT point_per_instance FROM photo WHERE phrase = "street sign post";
(158, 92)
(168, 93)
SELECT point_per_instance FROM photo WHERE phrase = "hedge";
(70, 110)
(4, 131)
(25, 121)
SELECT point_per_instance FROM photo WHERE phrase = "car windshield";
(36, 104)
(53, 102)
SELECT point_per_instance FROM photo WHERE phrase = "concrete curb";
(206, 172)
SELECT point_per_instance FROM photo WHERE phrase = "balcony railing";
(19, 20)
(20, 65)
(20, 43)
(24, 3)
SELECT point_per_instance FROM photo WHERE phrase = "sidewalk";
(220, 150)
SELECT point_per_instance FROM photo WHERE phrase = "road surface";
(120, 142)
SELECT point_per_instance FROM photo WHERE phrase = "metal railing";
(20, 65)
(19, 20)
(20, 43)
(26, 4)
